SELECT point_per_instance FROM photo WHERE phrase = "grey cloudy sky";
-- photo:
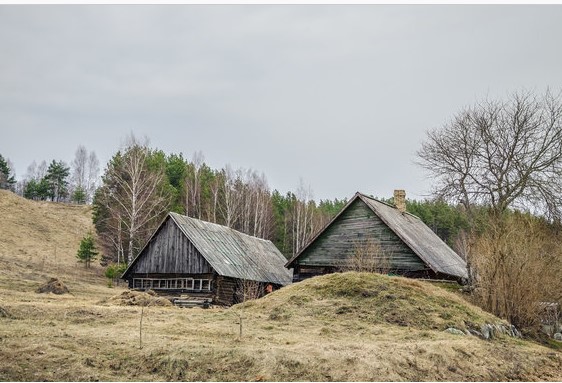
(339, 95)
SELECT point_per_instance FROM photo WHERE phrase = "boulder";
(452, 330)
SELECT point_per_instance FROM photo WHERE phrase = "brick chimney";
(400, 200)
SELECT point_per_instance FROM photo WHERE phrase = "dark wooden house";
(205, 260)
(409, 246)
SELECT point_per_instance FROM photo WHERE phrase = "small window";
(189, 284)
(206, 285)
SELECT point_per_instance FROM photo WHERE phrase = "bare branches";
(502, 154)
(85, 172)
(518, 266)
(368, 256)
(246, 290)
(133, 197)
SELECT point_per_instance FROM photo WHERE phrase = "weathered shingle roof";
(415, 234)
(234, 254)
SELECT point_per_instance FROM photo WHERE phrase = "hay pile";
(138, 298)
(55, 286)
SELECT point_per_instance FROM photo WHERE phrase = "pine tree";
(7, 179)
(79, 195)
(57, 178)
(87, 252)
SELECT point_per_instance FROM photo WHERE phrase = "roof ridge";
(219, 225)
(387, 204)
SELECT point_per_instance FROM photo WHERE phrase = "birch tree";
(193, 186)
(85, 172)
(216, 186)
(231, 207)
(92, 175)
(133, 198)
(262, 212)
(303, 211)
(79, 166)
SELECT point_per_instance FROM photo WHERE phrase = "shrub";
(113, 272)
(518, 263)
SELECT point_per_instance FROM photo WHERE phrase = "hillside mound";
(39, 239)
(55, 286)
(365, 298)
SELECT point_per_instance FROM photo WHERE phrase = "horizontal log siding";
(171, 252)
(225, 290)
(357, 224)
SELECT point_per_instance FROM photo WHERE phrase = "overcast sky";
(340, 96)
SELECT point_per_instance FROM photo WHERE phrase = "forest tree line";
(56, 181)
(140, 185)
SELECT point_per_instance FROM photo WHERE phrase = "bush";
(518, 263)
(114, 271)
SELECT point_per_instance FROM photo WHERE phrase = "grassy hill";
(39, 240)
(343, 327)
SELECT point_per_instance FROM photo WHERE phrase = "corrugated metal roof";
(234, 254)
(420, 238)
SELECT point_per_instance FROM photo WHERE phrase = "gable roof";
(231, 253)
(414, 233)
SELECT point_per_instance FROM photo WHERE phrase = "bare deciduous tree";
(133, 195)
(79, 166)
(92, 174)
(193, 186)
(36, 172)
(501, 154)
(231, 206)
(85, 172)
(303, 210)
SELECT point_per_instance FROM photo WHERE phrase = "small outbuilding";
(405, 244)
(187, 256)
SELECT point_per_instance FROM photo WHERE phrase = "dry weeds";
(136, 298)
(291, 335)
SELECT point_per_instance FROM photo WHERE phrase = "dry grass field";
(344, 327)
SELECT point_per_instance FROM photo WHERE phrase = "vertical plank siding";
(170, 251)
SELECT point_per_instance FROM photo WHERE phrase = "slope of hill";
(39, 240)
(342, 327)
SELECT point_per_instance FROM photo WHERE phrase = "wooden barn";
(187, 256)
(405, 243)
